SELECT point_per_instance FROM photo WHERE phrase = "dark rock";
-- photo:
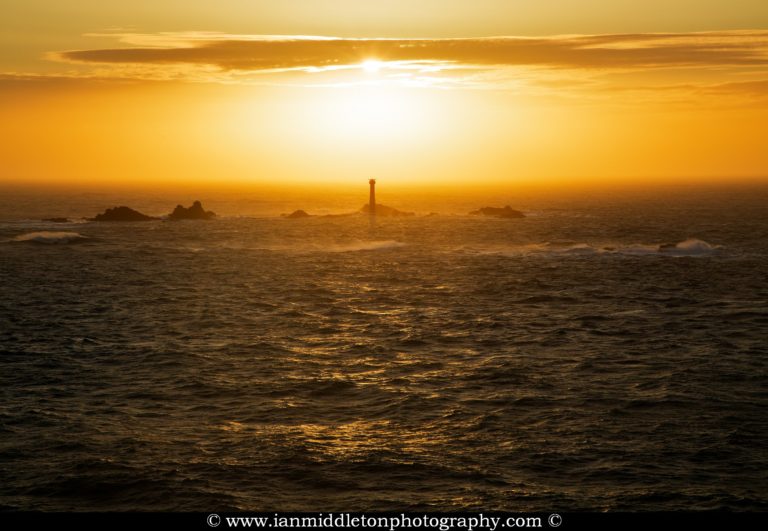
(122, 213)
(385, 211)
(495, 212)
(57, 220)
(297, 214)
(196, 211)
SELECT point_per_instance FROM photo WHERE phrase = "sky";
(496, 92)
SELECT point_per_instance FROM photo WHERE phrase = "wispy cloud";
(757, 89)
(711, 68)
(259, 52)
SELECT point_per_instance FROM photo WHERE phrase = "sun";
(372, 66)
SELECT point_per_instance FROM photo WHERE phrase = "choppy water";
(560, 361)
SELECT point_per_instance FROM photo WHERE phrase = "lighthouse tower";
(372, 201)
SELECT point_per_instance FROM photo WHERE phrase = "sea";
(604, 353)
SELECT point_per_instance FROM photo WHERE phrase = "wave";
(49, 237)
(694, 246)
(297, 247)
(689, 247)
(376, 245)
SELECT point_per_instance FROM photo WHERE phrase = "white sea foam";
(374, 245)
(689, 247)
(49, 237)
(694, 246)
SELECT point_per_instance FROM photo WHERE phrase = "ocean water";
(565, 361)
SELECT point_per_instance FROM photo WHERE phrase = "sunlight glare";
(372, 66)
(373, 111)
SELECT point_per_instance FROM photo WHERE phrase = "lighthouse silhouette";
(372, 200)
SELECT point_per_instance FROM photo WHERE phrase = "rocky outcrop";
(196, 211)
(122, 213)
(496, 212)
(297, 214)
(386, 212)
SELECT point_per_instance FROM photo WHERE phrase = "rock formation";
(122, 213)
(495, 212)
(297, 214)
(386, 212)
(196, 211)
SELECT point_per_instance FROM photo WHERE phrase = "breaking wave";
(365, 246)
(692, 246)
(49, 237)
(689, 247)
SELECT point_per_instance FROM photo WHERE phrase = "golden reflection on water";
(347, 441)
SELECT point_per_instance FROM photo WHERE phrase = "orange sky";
(334, 91)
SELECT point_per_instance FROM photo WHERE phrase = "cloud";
(757, 89)
(719, 68)
(265, 53)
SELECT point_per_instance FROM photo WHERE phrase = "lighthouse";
(372, 201)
